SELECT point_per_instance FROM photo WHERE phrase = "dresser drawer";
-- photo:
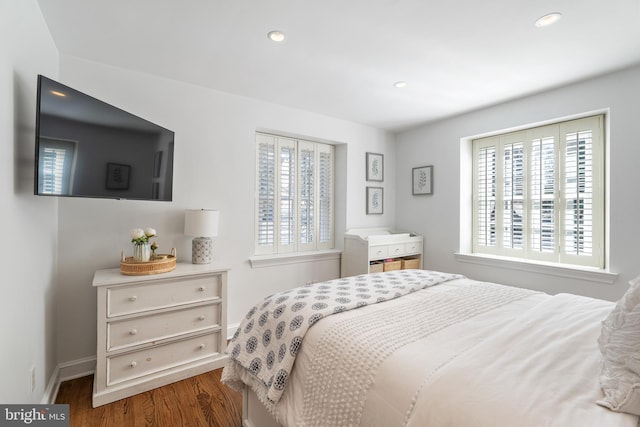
(396, 250)
(144, 362)
(378, 252)
(413, 248)
(146, 329)
(160, 294)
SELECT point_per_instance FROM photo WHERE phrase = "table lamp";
(202, 224)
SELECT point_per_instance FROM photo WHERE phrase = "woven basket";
(161, 264)
(410, 263)
(376, 267)
(392, 265)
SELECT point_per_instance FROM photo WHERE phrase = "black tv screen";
(88, 148)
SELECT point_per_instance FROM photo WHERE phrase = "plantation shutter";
(294, 195)
(286, 180)
(265, 194)
(539, 193)
(582, 222)
(485, 174)
(513, 194)
(325, 196)
(307, 194)
(543, 188)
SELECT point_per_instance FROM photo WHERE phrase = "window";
(538, 194)
(294, 195)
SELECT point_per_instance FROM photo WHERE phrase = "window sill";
(566, 271)
(259, 261)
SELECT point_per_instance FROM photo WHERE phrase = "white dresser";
(366, 249)
(157, 329)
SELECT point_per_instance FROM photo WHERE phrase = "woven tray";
(160, 264)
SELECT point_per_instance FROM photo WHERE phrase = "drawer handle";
(201, 317)
(201, 347)
(202, 288)
(133, 364)
(397, 249)
(133, 332)
(133, 298)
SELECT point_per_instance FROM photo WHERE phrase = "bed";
(424, 348)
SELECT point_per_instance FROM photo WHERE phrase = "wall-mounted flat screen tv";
(88, 148)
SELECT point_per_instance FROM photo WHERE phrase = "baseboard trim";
(77, 368)
(50, 393)
(67, 371)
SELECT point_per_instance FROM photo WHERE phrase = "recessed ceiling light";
(548, 19)
(400, 84)
(56, 93)
(276, 36)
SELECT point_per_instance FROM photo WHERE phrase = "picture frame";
(375, 167)
(422, 180)
(375, 200)
(117, 176)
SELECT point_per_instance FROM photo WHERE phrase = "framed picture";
(375, 167)
(422, 181)
(118, 176)
(375, 200)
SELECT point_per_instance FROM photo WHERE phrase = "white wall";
(29, 223)
(214, 168)
(437, 216)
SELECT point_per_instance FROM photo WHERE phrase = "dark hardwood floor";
(198, 401)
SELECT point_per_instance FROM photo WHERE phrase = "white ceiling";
(341, 57)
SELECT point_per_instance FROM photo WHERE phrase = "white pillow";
(619, 343)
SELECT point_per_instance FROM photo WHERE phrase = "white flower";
(137, 233)
(140, 236)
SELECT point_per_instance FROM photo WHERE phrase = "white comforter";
(533, 361)
(265, 346)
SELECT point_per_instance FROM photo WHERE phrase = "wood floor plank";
(200, 401)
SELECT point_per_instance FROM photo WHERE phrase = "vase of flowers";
(141, 246)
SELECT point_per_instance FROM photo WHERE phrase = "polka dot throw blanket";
(270, 335)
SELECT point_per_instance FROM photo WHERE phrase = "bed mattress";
(461, 353)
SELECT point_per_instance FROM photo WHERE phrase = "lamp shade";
(201, 222)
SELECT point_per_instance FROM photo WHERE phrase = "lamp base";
(201, 250)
